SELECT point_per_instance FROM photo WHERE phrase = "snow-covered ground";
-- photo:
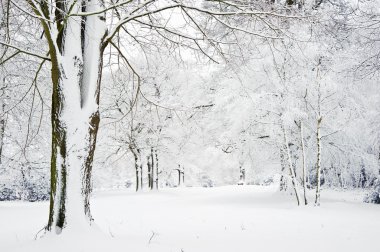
(229, 218)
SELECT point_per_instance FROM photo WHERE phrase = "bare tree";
(290, 164)
(304, 170)
(4, 26)
(76, 35)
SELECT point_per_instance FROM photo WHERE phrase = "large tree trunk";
(76, 76)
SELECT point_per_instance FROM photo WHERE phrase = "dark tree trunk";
(241, 175)
(149, 172)
(183, 175)
(319, 146)
(283, 180)
(2, 127)
(156, 169)
(136, 168)
(179, 175)
(141, 176)
(152, 168)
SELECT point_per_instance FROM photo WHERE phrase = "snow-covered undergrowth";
(230, 218)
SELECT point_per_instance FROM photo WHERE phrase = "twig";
(150, 239)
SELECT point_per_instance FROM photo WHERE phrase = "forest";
(189, 125)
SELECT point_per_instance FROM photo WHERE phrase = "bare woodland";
(167, 93)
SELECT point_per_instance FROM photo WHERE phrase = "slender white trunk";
(4, 37)
(283, 180)
(290, 164)
(2, 121)
(319, 146)
(319, 121)
(303, 162)
(2, 112)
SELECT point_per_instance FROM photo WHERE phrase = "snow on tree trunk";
(2, 114)
(76, 76)
(303, 162)
(283, 180)
(4, 37)
(242, 175)
(318, 188)
(134, 152)
(290, 164)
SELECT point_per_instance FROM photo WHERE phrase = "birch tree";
(303, 152)
(3, 33)
(290, 164)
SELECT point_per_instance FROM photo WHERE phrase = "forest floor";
(220, 219)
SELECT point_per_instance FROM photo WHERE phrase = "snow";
(95, 30)
(228, 218)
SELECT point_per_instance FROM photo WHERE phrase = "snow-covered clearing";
(229, 218)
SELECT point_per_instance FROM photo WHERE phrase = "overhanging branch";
(25, 51)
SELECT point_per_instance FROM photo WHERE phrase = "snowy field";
(230, 218)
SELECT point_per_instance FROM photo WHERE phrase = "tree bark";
(303, 162)
(2, 120)
(290, 2)
(283, 180)
(319, 146)
(149, 172)
(136, 167)
(156, 169)
(153, 163)
(290, 164)
(183, 175)
(179, 175)
(141, 176)
(242, 175)
(76, 57)
(4, 31)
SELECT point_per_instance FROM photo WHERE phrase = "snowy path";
(231, 218)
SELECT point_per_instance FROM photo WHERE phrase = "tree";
(3, 34)
(304, 169)
(76, 37)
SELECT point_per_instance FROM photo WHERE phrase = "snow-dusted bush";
(374, 195)
(26, 183)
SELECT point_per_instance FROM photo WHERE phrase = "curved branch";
(25, 51)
